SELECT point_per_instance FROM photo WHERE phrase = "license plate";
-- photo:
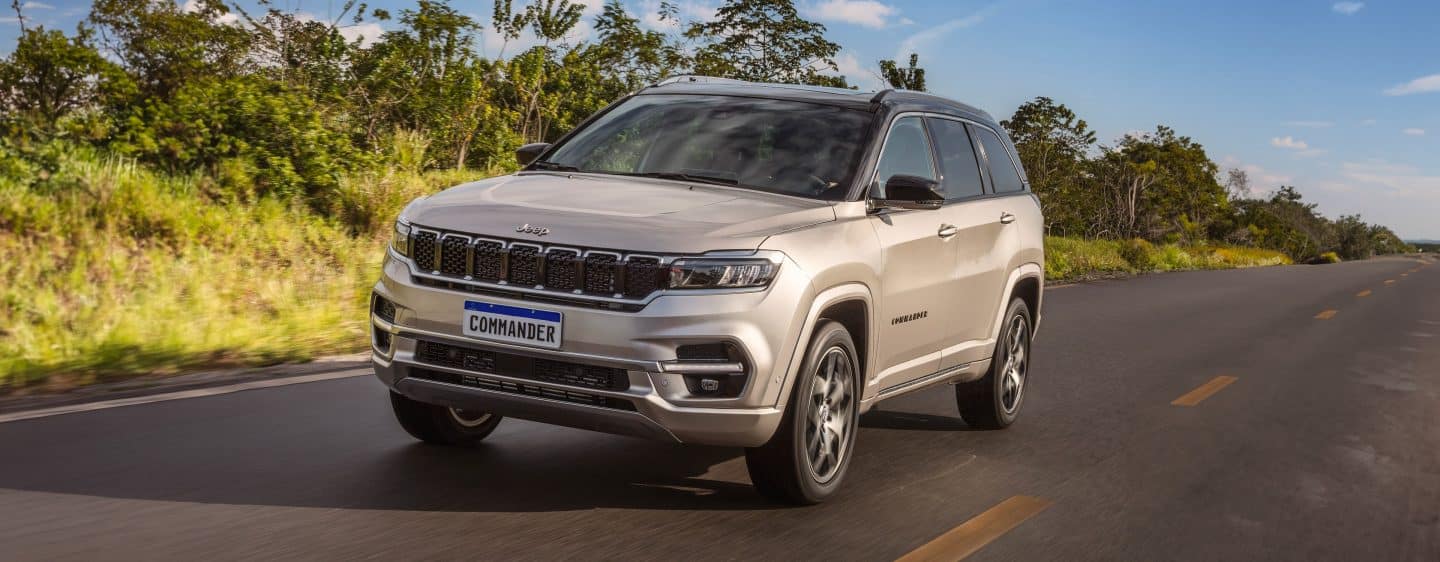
(512, 324)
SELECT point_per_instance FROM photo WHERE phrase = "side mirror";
(911, 192)
(528, 153)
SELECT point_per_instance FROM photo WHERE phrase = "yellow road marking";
(1406, 274)
(1389, 281)
(1204, 391)
(1364, 293)
(979, 531)
(1326, 314)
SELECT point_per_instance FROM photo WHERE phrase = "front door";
(918, 258)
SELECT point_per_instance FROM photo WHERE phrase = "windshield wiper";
(552, 166)
(683, 176)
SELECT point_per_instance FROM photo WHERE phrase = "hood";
(619, 213)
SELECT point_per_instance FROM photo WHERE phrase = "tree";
(1053, 144)
(50, 75)
(764, 41)
(912, 78)
(630, 54)
(165, 46)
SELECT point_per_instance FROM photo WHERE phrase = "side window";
(959, 167)
(1002, 170)
(907, 151)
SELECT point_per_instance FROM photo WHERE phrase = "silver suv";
(727, 263)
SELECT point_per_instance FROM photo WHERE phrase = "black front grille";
(562, 269)
(527, 265)
(524, 265)
(642, 276)
(509, 387)
(601, 272)
(489, 260)
(521, 367)
(422, 249)
(454, 252)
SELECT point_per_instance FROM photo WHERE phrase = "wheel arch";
(1026, 282)
(851, 305)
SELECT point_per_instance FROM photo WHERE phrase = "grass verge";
(1070, 259)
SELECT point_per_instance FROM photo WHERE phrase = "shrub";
(1139, 253)
(1327, 257)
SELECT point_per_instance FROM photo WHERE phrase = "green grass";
(122, 271)
(1073, 258)
(125, 271)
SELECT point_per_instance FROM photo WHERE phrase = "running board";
(954, 375)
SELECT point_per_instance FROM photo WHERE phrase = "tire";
(785, 469)
(994, 401)
(440, 425)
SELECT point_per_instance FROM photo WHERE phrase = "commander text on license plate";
(512, 324)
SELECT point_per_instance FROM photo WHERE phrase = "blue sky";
(1340, 99)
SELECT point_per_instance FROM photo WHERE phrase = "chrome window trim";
(874, 171)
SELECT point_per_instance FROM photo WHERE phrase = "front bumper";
(764, 325)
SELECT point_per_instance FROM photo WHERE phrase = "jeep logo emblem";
(536, 230)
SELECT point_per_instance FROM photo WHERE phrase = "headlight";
(401, 241)
(722, 273)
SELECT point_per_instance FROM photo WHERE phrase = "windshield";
(788, 147)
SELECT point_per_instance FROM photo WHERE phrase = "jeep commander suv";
(727, 263)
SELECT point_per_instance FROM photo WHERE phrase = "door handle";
(1006, 218)
(948, 230)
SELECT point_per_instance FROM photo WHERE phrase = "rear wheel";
(993, 402)
(441, 425)
(808, 456)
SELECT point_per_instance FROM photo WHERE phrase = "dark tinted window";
(1002, 170)
(958, 164)
(789, 147)
(907, 152)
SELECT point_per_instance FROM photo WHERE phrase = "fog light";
(709, 385)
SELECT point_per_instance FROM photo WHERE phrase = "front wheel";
(440, 425)
(993, 402)
(808, 456)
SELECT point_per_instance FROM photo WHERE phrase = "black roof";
(895, 100)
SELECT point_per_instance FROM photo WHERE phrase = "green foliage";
(1327, 257)
(271, 140)
(1053, 144)
(1077, 258)
(911, 78)
(764, 41)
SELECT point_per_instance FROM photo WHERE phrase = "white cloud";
(1347, 8)
(1398, 180)
(368, 33)
(927, 38)
(1367, 122)
(1414, 132)
(867, 13)
(1311, 124)
(856, 72)
(1421, 85)
(906, 21)
(7, 19)
(1289, 143)
(36, 6)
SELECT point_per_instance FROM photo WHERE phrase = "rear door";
(976, 280)
(917, 263)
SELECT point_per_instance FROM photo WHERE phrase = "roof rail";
(880, 95)
(696, 78)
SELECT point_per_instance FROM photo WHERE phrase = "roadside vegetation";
(188, 184)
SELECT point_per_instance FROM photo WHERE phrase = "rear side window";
(907, 152)
(1002, 170)
(959, 169)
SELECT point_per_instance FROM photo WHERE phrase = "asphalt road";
(1325, 446)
